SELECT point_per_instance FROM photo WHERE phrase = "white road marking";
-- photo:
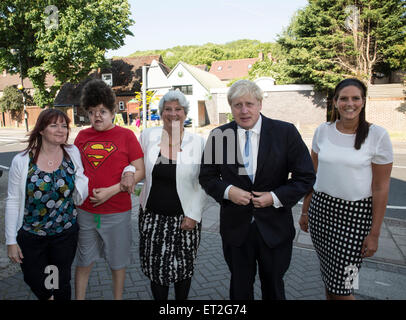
(388, 207)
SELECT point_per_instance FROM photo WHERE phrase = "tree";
(330, 40)
(12, 101)
(66, 41)
(209, 52)
(204, 55)
(149, 95)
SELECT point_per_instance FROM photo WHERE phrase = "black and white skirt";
(167, 253)
(338, 229)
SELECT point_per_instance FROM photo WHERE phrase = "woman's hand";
(127, 183)
(14, 253)
(188, 224)
(369, 246)
(304, 222)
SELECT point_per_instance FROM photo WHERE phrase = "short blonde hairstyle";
(241, 88)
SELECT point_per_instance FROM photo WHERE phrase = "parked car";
(154, 116)
(187, 122)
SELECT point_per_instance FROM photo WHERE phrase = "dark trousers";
(272, 266)
(42, 251)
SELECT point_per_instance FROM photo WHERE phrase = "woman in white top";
(353, 160)
(46, 181)
(171, 200)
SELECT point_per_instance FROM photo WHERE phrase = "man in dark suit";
(245, 167)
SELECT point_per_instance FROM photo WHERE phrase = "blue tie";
(248, 161)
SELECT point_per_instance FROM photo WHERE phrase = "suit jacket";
(192, 196)
(281, 152)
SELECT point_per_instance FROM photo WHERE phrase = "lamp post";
(144, 96)
(21, 87)
(145, 86)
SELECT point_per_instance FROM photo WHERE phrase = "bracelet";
(304, 214)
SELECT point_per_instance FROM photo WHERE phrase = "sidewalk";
(381, 277)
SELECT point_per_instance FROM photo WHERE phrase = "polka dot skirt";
(338, 229)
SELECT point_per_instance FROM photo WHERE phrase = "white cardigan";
(17, 179)
(192, 196)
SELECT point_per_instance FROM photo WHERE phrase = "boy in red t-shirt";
(105, 216)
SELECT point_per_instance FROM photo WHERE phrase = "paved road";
(211, 278)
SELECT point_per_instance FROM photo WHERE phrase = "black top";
(163, 197)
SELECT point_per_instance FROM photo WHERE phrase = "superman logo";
(97, 152)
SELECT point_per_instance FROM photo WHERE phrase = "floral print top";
(49, 207)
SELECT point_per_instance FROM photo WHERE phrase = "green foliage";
(239, 49)
(66, 40)
(210, 52)
(12, 101)
(330, 40)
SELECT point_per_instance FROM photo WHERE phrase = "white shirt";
(255, 137)
(344, 172)
(191, 195)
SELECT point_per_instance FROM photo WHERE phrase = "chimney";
(261, 56)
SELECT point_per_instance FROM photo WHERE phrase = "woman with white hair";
(171, 201)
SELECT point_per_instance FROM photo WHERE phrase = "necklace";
(174, 144)
(51, 162)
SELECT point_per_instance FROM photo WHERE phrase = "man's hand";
(239, 196)
(262, 199)
(127, 183)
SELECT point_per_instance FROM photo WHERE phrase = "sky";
(163, 24)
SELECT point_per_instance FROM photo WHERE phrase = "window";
(108, 78)
(219, 68)
(121, 105)
(186, 90)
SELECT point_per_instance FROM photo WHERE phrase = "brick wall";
(307, 109)
(304, 108)
(390, 114)
(32, 115)
(34, 111)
